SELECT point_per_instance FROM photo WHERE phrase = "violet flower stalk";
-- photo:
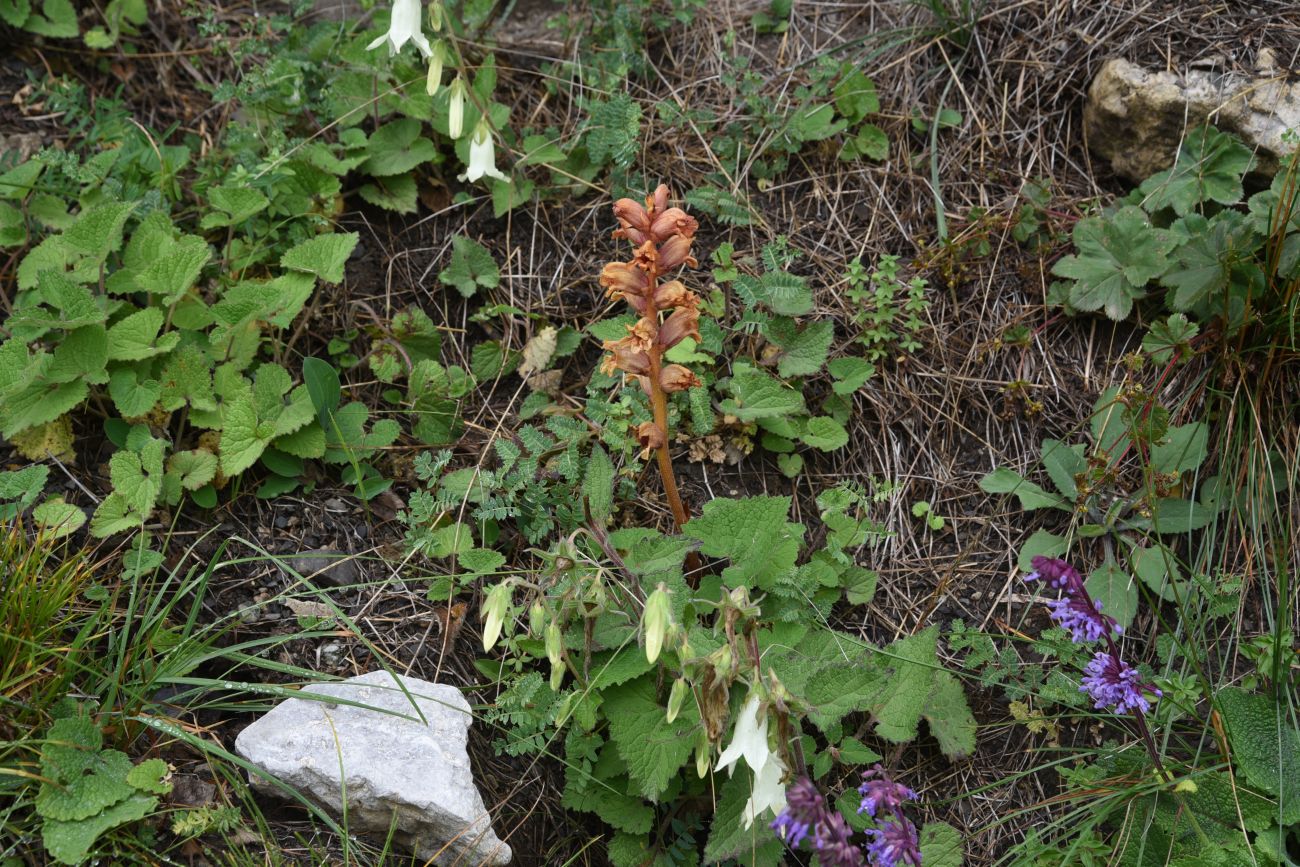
(1110, 682)
(895, 842)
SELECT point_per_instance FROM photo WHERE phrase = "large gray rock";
(391, 764)
(1136, 118)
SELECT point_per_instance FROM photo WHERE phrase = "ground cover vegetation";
(892, 487)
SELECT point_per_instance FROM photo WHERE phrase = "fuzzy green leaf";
(754, 534)
(1265, 746)
(136, 337)
(323, 256)
(949, 717)
(237, 203)
(1209, 168)
(850, 373)
(20, 488)
(396, 148)
(70, 842)
(1118, 255)
(82, 354)
(825, 433)
(804, 350)
(941, 845)
(756, 394)
(1116, 590)
(57, 518)
(1032, 496)
(653, 749)
(195, 467)
(99, 781)
(397, 193)
(176, 269)
(471, 266)
(98, 230)
(132, 397)
(1184, 449)
(1063, 463)
(598, 485)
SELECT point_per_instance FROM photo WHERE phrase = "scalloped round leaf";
(825, 433)
(58, 518)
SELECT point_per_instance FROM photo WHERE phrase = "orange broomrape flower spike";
(662, 239)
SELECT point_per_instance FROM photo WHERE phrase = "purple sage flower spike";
(881, 796)
(894, 843)
(1113, 684)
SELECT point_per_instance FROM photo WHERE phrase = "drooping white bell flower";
(456, 107)
(436, 61)
(404, 26)
(768, 792)
(482, 161)
(748, 738)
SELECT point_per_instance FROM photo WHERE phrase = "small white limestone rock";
(391, 764)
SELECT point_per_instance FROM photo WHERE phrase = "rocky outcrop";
(392, 767)
(1136, 118)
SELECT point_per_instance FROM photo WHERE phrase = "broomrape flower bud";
(658, 199)
(684, 322)
(673, 221)
(657, 615)
(631, 215)
(674, 252)
(481, 159)
(676, 697)
(403, 27)
(494, 614)
(674, 294)
(650, 435)
(456, 107)
(674, 377)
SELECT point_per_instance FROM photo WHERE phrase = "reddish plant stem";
(659, 405)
